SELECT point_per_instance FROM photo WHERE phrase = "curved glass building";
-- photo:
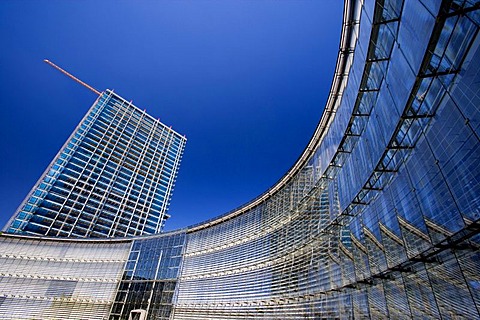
(379, 217)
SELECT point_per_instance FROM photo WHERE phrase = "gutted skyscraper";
(113, 177)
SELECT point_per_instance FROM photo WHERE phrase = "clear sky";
(245, 81)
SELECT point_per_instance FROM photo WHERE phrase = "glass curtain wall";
(378, 219)
(55, 279)
(113, 177)
(150, 277)
(382, 221)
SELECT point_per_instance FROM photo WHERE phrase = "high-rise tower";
(113, 177)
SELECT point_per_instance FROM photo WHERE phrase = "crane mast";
(72, 77)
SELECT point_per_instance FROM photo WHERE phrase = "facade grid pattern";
(113, 177)
(378, 219)
(150, 277)
(51, 279)
(382, 220)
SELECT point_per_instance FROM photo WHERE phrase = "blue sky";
(245, 81)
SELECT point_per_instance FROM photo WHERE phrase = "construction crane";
(72, 77)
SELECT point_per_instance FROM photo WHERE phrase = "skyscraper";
(113, 177)
(378, 219)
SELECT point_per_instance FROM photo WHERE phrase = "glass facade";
(47, 278)
(113, 177)
(379, 218)
(150, 277)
